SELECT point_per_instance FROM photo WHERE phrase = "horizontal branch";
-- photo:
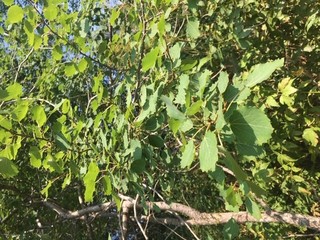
(195, 217)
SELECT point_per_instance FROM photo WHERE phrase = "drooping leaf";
(45, 191)
(188, 154)
(14, 14)
(261, 72)
(89, 181)
(251, 125)
(208, 153)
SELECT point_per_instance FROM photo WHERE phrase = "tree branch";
(195, 217)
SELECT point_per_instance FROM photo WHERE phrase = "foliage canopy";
(211, 104)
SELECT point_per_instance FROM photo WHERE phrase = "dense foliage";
(212, 104)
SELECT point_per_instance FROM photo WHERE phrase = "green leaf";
(208, 153)
(253, 208)
(15, 14)
(114, 16)
(223, 82)
(149, 60)
(231, 229)
(20, 111)
(310, 136)
(4, 122)
(57, 53)
(251, 126)
(82, 65)
(50, 12)
(45, 191)
(175, 51)
(62, 142)
(261, 72)
(188, 154)
(90, 181)
(8, 2)
(172, 111)
(70, 69)
(194, 108)
(39, 115)
(35, 157)
(193, 29)
(13, 91)
(8, 168)
(183, 85)
(84, 27)
(106, 181)
(156, 141)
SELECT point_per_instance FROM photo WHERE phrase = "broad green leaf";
(253, 208)
(193, 29)
(188, 154)
(20, 111)
(203, 81)
(13, 91)
(8, 168)
(162, 25)
(57, 53)
(39, 115)
(70, 69)
(106, 181)
(261, 72)
(149, 60)
(15, 14)
(4, 122)
(90, 181)
(208, 153)
(156, 141)
(223, 82)
(251, 126)
(311, 136)
(172, 111)
(82, 65)
(231, 229)
(175, 125)
(35, 157)
(175, 51)
(50, 12)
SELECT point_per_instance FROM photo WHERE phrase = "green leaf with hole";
(208, 153)
(149, 60)
(90, 181)
(14, 14)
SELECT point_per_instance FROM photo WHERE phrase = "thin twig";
(20, 65)
(136, 217)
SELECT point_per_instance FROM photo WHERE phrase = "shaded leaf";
(8, 168)
(253, 208)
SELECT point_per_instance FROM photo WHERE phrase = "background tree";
(151, 119)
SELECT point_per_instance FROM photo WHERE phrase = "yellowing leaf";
(15, 14)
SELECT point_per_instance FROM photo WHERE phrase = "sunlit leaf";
(8, 168)
(149, 60)
(39, 115)
(208, 153)
(188, 154)
(89, 181)
(193, 29)
(15, 14)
